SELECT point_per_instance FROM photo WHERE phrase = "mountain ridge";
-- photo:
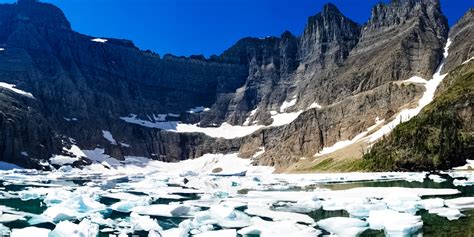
(84, 85)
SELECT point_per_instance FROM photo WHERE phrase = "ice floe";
(394, 223)
(264, 228)
(30, 231)
(343, 226)
(84, 229)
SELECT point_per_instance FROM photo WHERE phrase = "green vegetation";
(440, 137)
(332, 165)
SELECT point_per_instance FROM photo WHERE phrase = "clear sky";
(185, 27)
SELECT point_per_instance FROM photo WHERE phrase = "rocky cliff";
(441, 137)
(331, 83)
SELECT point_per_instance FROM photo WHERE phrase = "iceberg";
(30, 231)
(263, 228)
(279, 215)
(343, 226)
(171, 210)
(227, 217)
(84, 229)
(394, 223)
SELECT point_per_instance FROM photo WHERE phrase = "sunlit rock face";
(292, 95)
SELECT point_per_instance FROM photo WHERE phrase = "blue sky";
(185, 27)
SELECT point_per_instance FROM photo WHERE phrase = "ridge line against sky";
(187, 27)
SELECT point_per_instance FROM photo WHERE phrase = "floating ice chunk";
(460, 203)
(263, 228)
(436, 178)
(227, 217)
(464, 182)
(127, 206)
(433, 203)
(30, 231)
(84, 229)
(218, 233)
(144, 222)
(99, 40)
(4, 231)
(341, 203)
(108, 136)
(66, 205)
(171, 210)
(301, 206)
(6, 217)
(363, 210)
(394, 223)
(122, 196)
(278, 215)
(449, 213)
(402, 201)
(60, 213)
(343, 226)
(13, 88)
(32, 193)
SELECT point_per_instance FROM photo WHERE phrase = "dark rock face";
(82, 87)
(328, 38)
(462, 35)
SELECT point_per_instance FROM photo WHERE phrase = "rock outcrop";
(440, 137)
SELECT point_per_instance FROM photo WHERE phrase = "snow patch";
(13, 88)
(198, 109)
(315, 106)
(108, 136)
(467, 61)
(287, 104)
(99, 40)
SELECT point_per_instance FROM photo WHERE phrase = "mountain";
(69, 98)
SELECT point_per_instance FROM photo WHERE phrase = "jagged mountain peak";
(397, 11)
(330, 8)
(326, 27)
(35, 12)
